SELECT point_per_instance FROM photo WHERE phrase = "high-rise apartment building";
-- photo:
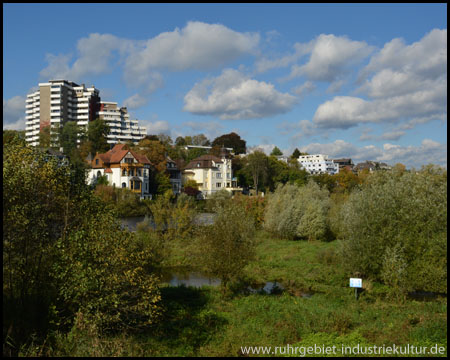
(59, 101)
(122, 129)
(56, 103)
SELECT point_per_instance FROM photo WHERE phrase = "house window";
(139, 173)
(219, 176)
(99, 173)
(132, 172)
(218, 185)
(124, 172)
(124, 185)
(96, 161)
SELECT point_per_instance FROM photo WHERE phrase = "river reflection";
(131, 223)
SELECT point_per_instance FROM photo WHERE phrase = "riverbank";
(202, 322)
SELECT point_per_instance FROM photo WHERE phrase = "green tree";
(44, 137)
(155, 152)
(13, 137)
(406, 212)
(296, 154)
(163, 183)
(195, 153)
(276, 151)
(180, 141)
(68, 137)
(298, 212)
(97, 133)
(225, 253)
(200, 140)
(257, 166)
(231, 140)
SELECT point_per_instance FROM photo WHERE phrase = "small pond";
(188, 277)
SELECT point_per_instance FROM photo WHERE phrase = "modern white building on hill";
(318, 164)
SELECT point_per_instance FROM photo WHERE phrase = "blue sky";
(366, 81)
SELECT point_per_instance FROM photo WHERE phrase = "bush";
(173, 218)
(227, 246)
(253, 205)
(217, 200)
(294, 212)
(405, 211)
(104, 273)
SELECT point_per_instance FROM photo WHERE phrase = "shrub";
(217, 200)
(399, 210)
(173, 218)
(253, 205)
(227, 246)
(103, 272)
(294, 212)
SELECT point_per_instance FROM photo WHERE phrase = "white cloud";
(210, 129)
(304, 89)
(429, 152)
(299, 51)
(135, 101)
(14, 113)
(347, 111)
(234, 96)
(427, 57)
(408, 86)
(299, 130)
(156, 127)
(198, 46)
(331, 57)
(94, 55)
(265, 148)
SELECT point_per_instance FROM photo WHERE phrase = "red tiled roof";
(117, 153)
(108, 170)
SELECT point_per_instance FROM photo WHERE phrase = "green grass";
(202, 322)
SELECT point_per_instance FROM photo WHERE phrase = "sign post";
(356, 283)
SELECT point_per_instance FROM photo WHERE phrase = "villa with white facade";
(123, 168)
(318, 164)
(212, 174)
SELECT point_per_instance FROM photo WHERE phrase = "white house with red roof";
(123, 168)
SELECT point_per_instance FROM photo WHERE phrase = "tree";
(231, 140)
(296, 212)
(155, 152)
(13, 137)
(44, 137)
(399, 219)
(166, 140)
(195, 153)
(200, 140)
(296, 154)
(180, 141)
(224, 253)
(97, 133)
(257, 165)
(276, 151)
(163, 183)
(68, 137)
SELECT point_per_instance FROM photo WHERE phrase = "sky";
(365, 81)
